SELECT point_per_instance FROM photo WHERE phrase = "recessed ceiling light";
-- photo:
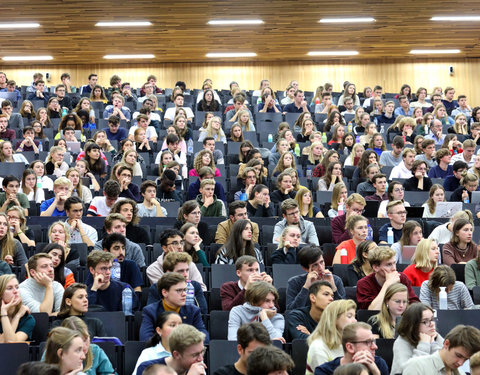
(231, 54)
(26, 58)
(123, 23)
(455, 18)
(16, 25)
(332, 53)
(138, 56)
(347, 20)
(235, 22)
(433, 51)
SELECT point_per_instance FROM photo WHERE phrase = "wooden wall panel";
(391, 74)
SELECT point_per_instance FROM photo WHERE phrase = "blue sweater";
(111, 298)
(153, 296)
(329, 367)
(190, 315)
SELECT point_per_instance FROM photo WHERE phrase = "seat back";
(218, 325)
(229, 354)
(12, 355)
(114, 322)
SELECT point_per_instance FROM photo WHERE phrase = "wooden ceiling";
(180, 32)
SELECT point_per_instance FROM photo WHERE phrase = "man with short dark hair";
(247, 268)
(209, 144)
(171, 240)
(87, 89)
(291, 216)
(377, 93)
(101, 206)
(79, 231)
(359, 347)
(394, 157)
(269, 360)
(459, 344)
(15, 120)
(312, 262)
(172, 288)
(249, 337)
(404, 109)
(299, 104)
(11, 196)
(105, 290)
(237, 210)
(127, 93)
(114, 132)
(428, 156)
(65, 79)
(11, 86)
(3, 81)
(40, 93)
(404, 169)
(194, 187)
(303, 321)
(452, 182)
(326, 103)
(63, 100)
(380, 184)
(448, 101)
(239, 104)
(463, 107)
(36, 76)
(178, 101)
(443, 167)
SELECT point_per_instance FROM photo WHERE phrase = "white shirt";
(170, 113)
(99, 206)
(459, 157)
(400, 171)
(153, 116)
(149, 133)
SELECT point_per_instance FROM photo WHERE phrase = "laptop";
(371, 209)
(475, 197)
(74, 147)
(414, 211)
(407, 253)
(447, 209)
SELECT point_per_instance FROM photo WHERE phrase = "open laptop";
(74, 147)
(447, 209)
(475, 197)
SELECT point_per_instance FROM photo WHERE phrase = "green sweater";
(214, 210)
(472, 274)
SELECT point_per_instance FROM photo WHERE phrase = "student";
(291, 216)
(460, 249)
(460, 343)
(194, 187)
(452, 181)
(398, 215)
(179, 263)
(372, 288)
(424, 261)
(101, 206)
(458, 297)
(237, 210)
(468, 184)
(172, 290)
(411, 236)
(238, 243)
(11, 196)
(114, 131)
(157, 346)
(360, 266)
(269, 360)
(128, 209)
(357, 225)
(65, 348)
(303, 321)
(187, 349)
(443, 233)
(210, 206)
(62, 274)
(417, 336)
(394, 157)
(394, 304)
(366, 188)
(419, 181)
(472, 273)
(359, 346)
(404, 169)
(247, 269)
(150, 207)
(436, 195)
(354, 205)
(40, 293)
(379, 182)
(428, 156)
(284, 190)
(104, 290)
(288, 244)
(311, 259)
(259, 305)
(259, 203)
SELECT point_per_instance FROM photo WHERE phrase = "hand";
(365, 357)
(197, 245)
(464, 195)
(270, 313)
(303, 104)
(208, 201)
(424, 337)
(73, 225)
(418, 174)
(42, 278)
(76, 371)
(281, 339)
(287, 244)
(392, 277)
(197, 368)
(302, 329)
(99, 281)
(14, 302)
(17, 226)
(266, 277)
(8, 259)
(252, 278)
(312, 276)
(328, 276)
(266, 201)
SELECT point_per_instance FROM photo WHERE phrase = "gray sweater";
(472, 274)
(247, 313)
(32, 294)
(403, 351)
(458, 299)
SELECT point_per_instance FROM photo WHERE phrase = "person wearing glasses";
(359, 346)
(104, 290)
(291, 216)
(371, 289)
(172, 240)
(172, 288)
(417, 336)
(397, 214)
(395, 192)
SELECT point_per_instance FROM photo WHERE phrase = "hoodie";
(214, 210)
(247, 313)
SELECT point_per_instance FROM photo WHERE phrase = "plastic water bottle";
(190, 146)
(309, 173)
(243, 197)
(426, 130)
(39, 182)
(297, 150)
(467, 200)
(64, 112)
(270, 138)
(382, 129)
(350, 127)
(390, 236)
(115, 270)
(40, 146)
(324, 137)
(190, 300)
(340, 209)
(442, 296)
(369, 233)
(127, 301)
(343, 256)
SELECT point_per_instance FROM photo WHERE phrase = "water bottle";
(467, 200)
(357, 139)
(324, 137)
(64, 112)
(426, 130)
(390, 236)
(442, 296)
(386, 186)
(115, 270)
(297, 150)
(127, 301)
(343, 256)
(190, 147)
(270, 138)
(243, 197)
(369, 233)
(350, 127)
(382, 129)
(317, 101)
(340, 209)
(190, 300)
(40, 146)
(309, 173)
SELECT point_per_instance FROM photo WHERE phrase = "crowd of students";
(127, 155)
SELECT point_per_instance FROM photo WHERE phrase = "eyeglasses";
(176, 243)
(181, 290)
(366, 342)
(429, 322)
(357, 211)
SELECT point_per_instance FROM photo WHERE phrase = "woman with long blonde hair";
(12, 250)
(214, 129)
(436, 194)
(305, 204)
(460, 124)
(424, 261)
